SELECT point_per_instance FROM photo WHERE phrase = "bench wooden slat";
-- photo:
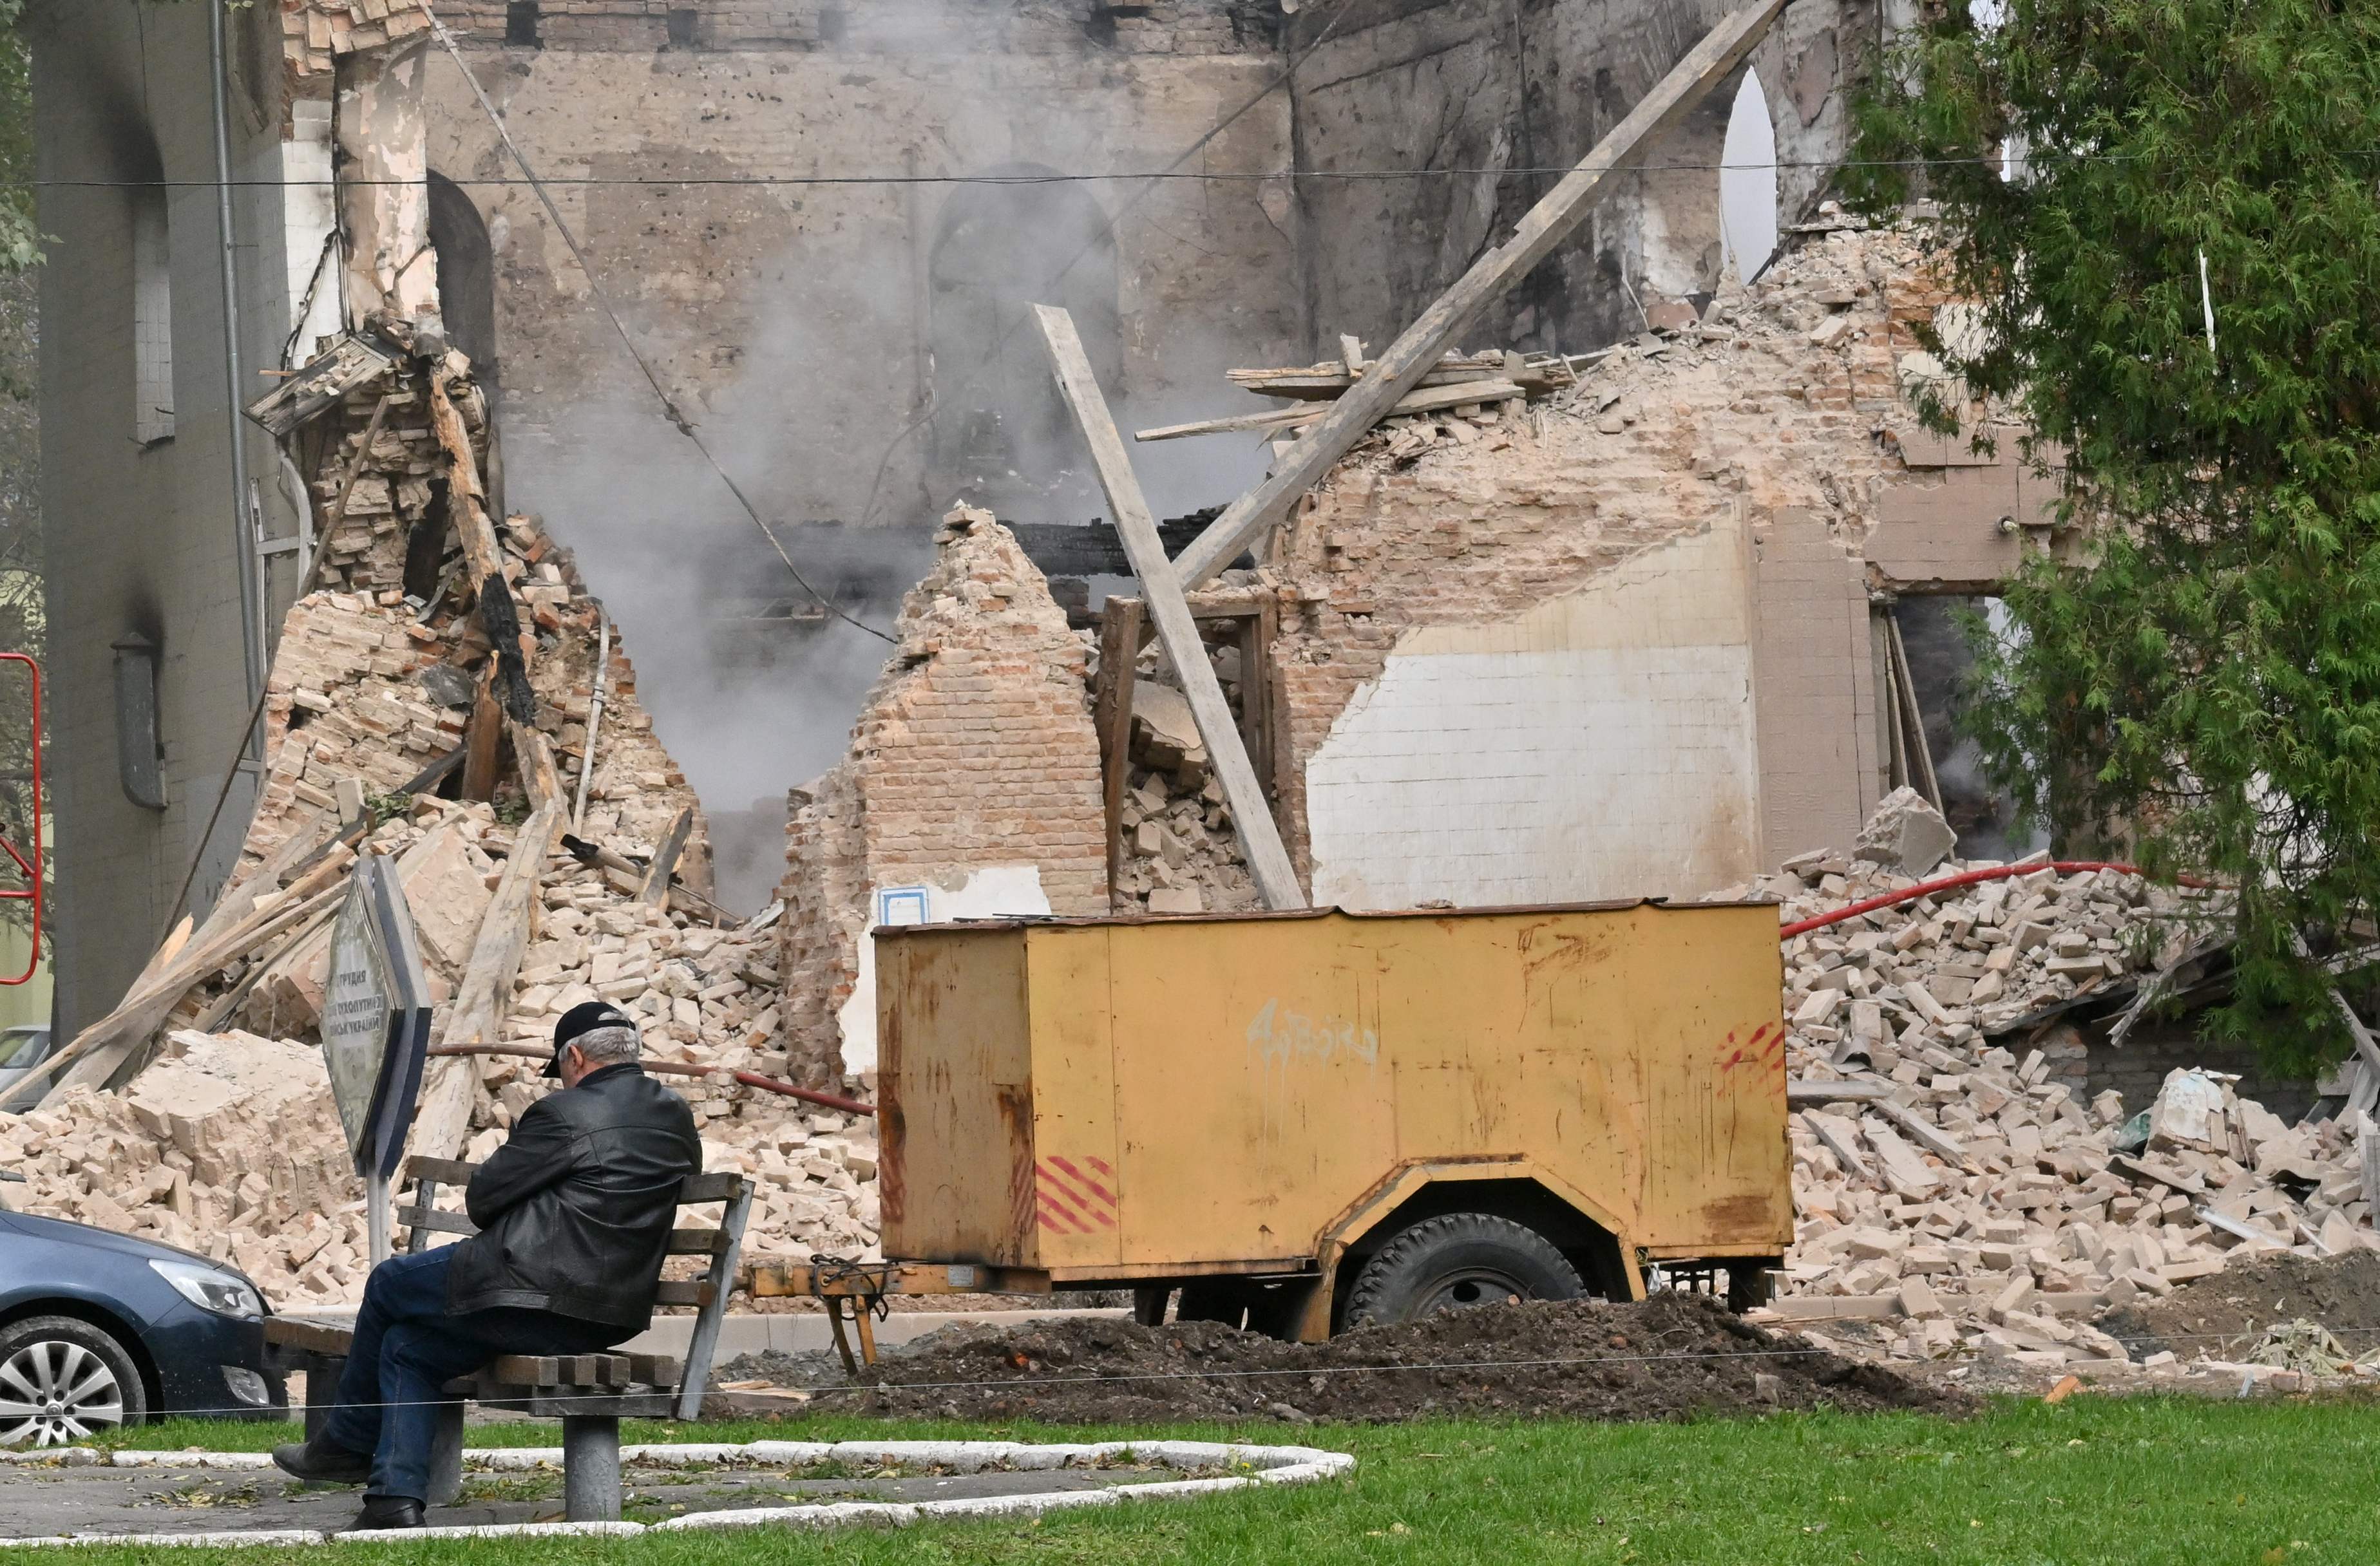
(525, 1371)
(546, 1372)
(446, 1172)
(697, 1241)
(655, 1369)
(440, 1222)
(710, 1187)
(311, 1337)
(687, 1292)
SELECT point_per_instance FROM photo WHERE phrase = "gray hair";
(609, 1046)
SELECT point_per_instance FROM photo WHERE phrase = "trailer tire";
(1458, 1261)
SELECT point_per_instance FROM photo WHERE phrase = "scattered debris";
(1979, 1204)
(1673, 1356)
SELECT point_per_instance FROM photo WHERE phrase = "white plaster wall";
(309, 209)
(1600, 746)
(996, 892)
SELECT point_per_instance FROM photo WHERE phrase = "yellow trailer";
(1304, 1121)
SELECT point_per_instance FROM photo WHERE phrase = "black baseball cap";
(584, 1017)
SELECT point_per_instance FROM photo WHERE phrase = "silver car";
(21, 1049)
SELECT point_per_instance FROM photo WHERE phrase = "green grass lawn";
(2138, 1480)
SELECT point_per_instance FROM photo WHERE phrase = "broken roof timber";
(1417, 350)
(1259, 835)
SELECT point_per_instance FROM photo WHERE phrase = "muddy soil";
(1673, 1356)
(2220, 1316)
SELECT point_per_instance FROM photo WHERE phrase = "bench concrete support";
(590, 1467)
(322, 1375)
(446, 1455)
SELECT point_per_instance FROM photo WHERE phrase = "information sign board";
(375, 1017)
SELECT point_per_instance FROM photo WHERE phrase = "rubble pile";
(228, 1146)
(1955, 1184)
(1180, 854)
(971, 785)
(227, 1142)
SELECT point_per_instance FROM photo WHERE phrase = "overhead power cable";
(604, 301)
(1172, 172)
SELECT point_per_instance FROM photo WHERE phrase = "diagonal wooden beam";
(1397, 368)
(1260, 843)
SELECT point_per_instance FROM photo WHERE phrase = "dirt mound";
(1668, 1357)
(2214, 1317)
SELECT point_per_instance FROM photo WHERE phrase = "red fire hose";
(1968, 878)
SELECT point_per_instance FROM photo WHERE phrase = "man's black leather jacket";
(575, 1212)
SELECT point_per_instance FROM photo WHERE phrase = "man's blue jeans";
(407, 1347)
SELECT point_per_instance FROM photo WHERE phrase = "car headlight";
(224, 1294)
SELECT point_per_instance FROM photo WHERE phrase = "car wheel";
(63, 1381)
(1458, 1261)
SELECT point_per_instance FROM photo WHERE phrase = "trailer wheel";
(1458, 1261)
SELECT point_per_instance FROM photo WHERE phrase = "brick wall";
(1776, 411)
(974, 752)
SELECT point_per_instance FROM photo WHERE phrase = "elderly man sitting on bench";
(575, 1213)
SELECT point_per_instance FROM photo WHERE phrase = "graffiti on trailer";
(1278, 1036)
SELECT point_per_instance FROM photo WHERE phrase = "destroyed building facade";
(797, 318)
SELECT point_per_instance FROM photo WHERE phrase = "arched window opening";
(1747, 182)
(466, 278)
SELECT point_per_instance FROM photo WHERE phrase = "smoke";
(890, 302)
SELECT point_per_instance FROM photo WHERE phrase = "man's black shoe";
(387, 1512)
(319, 1462)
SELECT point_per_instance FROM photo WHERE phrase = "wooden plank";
(1326, 381)
(1799, 1093)
(1256, 696)
(483, 557)
(679, 1292)
(695, 1241)
(1111, 719)
(656, 889)
(1840, 1138)
(442, 1121)
(446, 1172)
(702, 1343)
(654, 1369)
(534, 757)
(1489, 391)
(436, 1221)
(709, 1188)
(1932, 1138)
(526, 1370)
(1351, 353)
(95, 1052)
(1418, 348)
(1911, 720)
(482, 740)
(312, 1337)
(1830, 1307)
(1260, 843)
(348, 363)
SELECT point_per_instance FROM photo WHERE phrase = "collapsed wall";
(971, 790)
(1619, 640)
(377, 685)
(1961, 1195)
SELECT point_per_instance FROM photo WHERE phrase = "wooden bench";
(590, 1393)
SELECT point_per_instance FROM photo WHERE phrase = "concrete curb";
(1268, 1466)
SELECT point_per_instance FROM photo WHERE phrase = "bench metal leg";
(322, 1375)
(446, 1455)
(590, 1467)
